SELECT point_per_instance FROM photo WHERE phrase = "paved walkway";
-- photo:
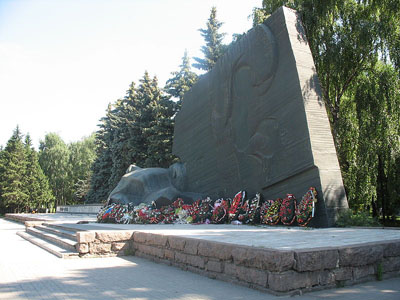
(28, 272)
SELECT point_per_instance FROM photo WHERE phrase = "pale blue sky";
(63, 61)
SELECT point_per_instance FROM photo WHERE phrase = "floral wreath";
(220, 212)
(271, 211)
(306, 207)
(288, 210)
(237, 203)
(250, 210)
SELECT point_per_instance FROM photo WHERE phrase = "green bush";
(348, 218)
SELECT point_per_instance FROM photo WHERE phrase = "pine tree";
(214, 47)
(181, 82)
(37, 184)
(101, 168)
(161, 130)
(118, 143)
(13, 192)
(137, 130)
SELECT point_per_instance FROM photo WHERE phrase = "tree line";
(57, 174)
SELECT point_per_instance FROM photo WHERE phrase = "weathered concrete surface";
(257, 122)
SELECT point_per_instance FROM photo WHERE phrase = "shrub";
(348, 218)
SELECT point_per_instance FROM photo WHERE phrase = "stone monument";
(148, 185)
(257, 122)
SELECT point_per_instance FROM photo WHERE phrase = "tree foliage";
(68, 167)
(14, 194)
(37, 184)
(137, 130)
(53, 158)
(23, 185)
(181, 82)
(356, 48)
(214, 47)
(101, 168)
(82, 155)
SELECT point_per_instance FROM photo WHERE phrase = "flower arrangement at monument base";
(306, 207)
(237, 203)
(205, 211)
(220, 211)
(250, 211)
(288, 209)
(269, 212)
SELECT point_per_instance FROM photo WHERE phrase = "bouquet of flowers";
(201, 210)
(104, 213)
(144, 214)
(168, 213)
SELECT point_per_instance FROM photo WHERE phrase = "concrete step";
(48, 246)
(60, 241)
(62, 226)
(58, 231)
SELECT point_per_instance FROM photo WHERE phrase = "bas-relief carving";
(247, 139)
(250, 141)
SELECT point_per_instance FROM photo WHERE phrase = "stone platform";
(280, 260)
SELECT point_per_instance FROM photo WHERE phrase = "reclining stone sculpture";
(147, 185)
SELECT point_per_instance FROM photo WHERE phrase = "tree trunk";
(374, 208)
(381, 187)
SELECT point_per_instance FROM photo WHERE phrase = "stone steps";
(50, 247)
(61, 231)
(56, 239)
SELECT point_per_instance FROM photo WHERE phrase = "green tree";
(54, 160)
(136, 130)
(145, 128)
(36, 183)
(101, 168)
(159, 133)
(378, 115)
(214, 47)
(82, 155)
(14, 195)
(123, 125)
(181, 82)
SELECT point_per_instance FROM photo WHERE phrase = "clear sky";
(63, 61)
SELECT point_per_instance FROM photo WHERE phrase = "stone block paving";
(28, 272)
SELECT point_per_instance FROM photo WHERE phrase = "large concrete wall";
(257, 122)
